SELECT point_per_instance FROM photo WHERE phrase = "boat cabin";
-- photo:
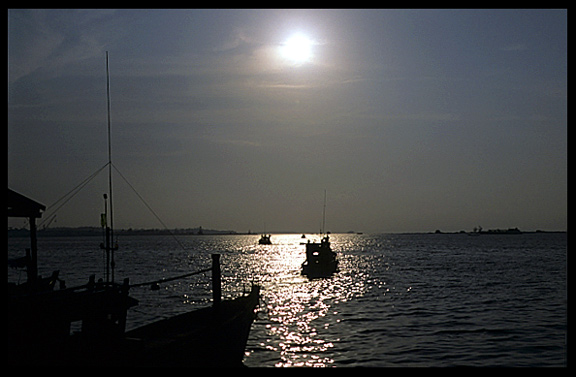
(320, 261)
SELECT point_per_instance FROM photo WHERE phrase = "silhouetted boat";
(208, 337)
(265, 239)
(38, 318)
(478, 231)
(321, 261)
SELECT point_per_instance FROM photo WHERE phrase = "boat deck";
(208, 337)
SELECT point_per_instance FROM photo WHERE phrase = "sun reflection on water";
(297, 313)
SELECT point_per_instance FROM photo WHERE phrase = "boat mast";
(109, 247)
(324, 214)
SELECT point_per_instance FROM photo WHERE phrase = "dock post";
(124, 306)
(216, 280)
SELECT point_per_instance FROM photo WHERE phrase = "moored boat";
(210, 337)
(39, 318)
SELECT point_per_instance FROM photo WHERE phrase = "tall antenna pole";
(110, 166)
(324, 214)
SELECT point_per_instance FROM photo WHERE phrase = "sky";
(411, 120)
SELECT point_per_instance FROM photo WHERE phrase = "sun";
(297, 49)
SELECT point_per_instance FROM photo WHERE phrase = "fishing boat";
(38, 318)
(265, 239)
(214, 336)
(38, 321)
(320, 261)
(209, 337)
(476, 232)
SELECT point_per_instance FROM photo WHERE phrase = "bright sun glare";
(297, 49)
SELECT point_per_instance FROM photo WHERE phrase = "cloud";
(30, 43)
(49, 40)
(238, 43)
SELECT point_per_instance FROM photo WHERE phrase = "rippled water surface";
(398, 300)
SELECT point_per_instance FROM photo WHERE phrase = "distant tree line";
(96, 231)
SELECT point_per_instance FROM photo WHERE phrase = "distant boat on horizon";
(265, 239)
(478, 231)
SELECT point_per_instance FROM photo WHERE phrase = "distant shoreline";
(95, 231)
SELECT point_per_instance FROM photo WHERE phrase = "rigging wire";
(69, 195)
(164, 280)
(150, 208)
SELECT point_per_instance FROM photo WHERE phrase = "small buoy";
(155, 286)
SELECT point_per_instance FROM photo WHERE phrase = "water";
(429, 300)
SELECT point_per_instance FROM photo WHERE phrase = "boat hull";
(215, 336)
(320, 261)
(208, 337)
(314, 271)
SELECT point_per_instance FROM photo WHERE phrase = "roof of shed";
(21, 206)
